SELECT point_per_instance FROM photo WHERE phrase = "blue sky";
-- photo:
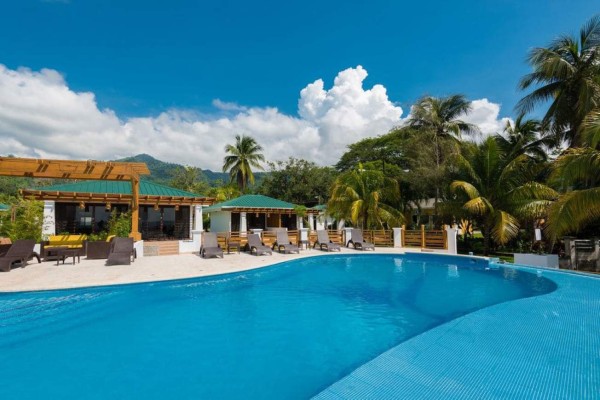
(141, 58)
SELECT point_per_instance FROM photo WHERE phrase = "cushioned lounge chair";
(284, 245)
(210, 246)
(121, 251)
(325, 243)
(18, 253)
(358, 242)
(257, 246)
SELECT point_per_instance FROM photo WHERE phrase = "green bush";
(119, 224)
(27, 223)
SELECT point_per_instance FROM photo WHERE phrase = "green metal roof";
(118, 187)
(4, 207)
(251, 201)
(319, 207)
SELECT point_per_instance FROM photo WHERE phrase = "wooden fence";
(425, 239)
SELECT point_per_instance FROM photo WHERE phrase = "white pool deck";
(48, 275)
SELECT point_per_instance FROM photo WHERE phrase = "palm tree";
(497, 191)
(567, 74)
(243, 155)
(190, 179)
(576, 173)
(439, 119)
(524, 136)
(363, 196)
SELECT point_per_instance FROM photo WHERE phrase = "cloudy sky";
(93, 80)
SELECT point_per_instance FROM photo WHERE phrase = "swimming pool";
(287, 331)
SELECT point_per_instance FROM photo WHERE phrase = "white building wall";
(49, 222)
(192, 244)
(220, 221)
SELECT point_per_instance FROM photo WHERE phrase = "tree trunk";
(487, 235)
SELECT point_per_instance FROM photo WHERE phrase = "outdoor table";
(233, 245)
(64, 252)
(304, 244)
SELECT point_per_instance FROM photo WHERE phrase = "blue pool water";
(283, 332)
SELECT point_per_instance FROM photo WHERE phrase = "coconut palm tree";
(439, 119)
(525, 136)
(363, 196)
(566, 74)
(497, 190)
(575, 172)
(243, 156)
(440, 116)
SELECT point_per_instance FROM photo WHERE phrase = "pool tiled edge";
(544, 347)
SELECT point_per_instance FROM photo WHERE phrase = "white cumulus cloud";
(40, 116)
(485, 115)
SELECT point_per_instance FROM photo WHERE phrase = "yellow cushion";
(70, 241)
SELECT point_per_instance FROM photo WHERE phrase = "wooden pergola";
(89, 170)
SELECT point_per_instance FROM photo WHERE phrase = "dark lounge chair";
(358, 242)
(121, 251)
(210, 246)
(257, 246)
(325, 243)
(18, 253)
(283, 243)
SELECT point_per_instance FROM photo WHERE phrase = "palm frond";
(504, 227)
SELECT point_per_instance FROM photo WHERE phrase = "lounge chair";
(257, 246)
(358, 242)
(121, 251)
(19, 252)
(325, 243)
(283, 243)
(210, 246)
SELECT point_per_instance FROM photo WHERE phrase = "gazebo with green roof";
(86, 206)
(253, 211)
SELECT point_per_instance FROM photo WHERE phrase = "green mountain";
(162, 172)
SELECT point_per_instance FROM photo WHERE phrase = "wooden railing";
(380, 238)
(425, 239)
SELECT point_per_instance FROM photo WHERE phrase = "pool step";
(161, 248)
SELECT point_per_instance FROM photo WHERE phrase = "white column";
(49, 219)
(311, 221)
(299, 222)
(243, 222)
(198, 224)
(258, 231)
(347, 235)
(186, 246)
(452, 240)
(397, 237)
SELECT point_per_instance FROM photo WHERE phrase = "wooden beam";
(135, 209)
(71, 169)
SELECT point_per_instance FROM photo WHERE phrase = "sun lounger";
(18, 253)
(283, 243)
(121, 251)
(358, 242)
(210, 246)
(257, 246)
(325, 243)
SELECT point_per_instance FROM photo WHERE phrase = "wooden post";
(422, 236)
(445, 235)
(403, 236)
(135, 208)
